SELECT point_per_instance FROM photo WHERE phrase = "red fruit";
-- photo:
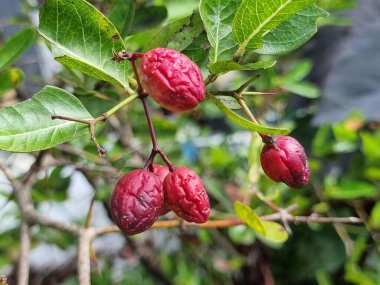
(186, 195)
(171, 79)
(136, 201)
(285, 160)
(162, 171)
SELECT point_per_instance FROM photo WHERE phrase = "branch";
(235, 222)
(84, 260)
(23, 263)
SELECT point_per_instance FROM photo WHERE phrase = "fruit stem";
(155, 147)
(142, 95)
(266, 138)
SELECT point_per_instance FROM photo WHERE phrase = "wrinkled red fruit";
(162, 171)
(171, 79)
(186, 195)
(136, 201)
(285, 161)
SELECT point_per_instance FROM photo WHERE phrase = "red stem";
(155, 148)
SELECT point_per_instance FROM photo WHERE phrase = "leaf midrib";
(63, 125)
(266, 21)
(68, 52)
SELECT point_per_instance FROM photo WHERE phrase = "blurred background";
(328, 92)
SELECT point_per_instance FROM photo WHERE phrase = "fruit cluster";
(141, 196)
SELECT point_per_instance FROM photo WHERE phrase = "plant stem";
(257, 93)
(155, 147)
(84, 261)
(122, 104)
(23, 263)
(235, 222)
(266, 138)
(101, 119)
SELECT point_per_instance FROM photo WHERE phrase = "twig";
(101, 119)
(7, 175)
(155, 149)
(284, 213)
(143, 97)
(235, 222)
(84, 261)
(23, 263)
(91, 125)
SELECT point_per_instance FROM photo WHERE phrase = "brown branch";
(84, 260)
(23, 263)
(235, 222)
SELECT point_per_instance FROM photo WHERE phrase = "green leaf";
(322, 143)
(274, 233)
(217, 17)
(27, 126)
(254, 18)
(299, 71)
(304, 89)
(122, 15)
(239, 120)
(221, 67)
(16, 46)
(173, 30)
(53, 187)
(183, 38)
(370, 146)
(241, 234)
(83, 39)
(372, 173)
(292, 33)
(10, 78)
(351, 189)
(374, 219)
(229, 102)
(198, 50)
(149, 16)
(249, 217)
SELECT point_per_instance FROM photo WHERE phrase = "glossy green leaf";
(15, 46)
(83, 39)
(122, 15)
(244, 123)
(274, 233)
(10, 78)
(217, 17)
(27, 126)
(255, 18)
(249, 217)
(292, 33)
(221, 67)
